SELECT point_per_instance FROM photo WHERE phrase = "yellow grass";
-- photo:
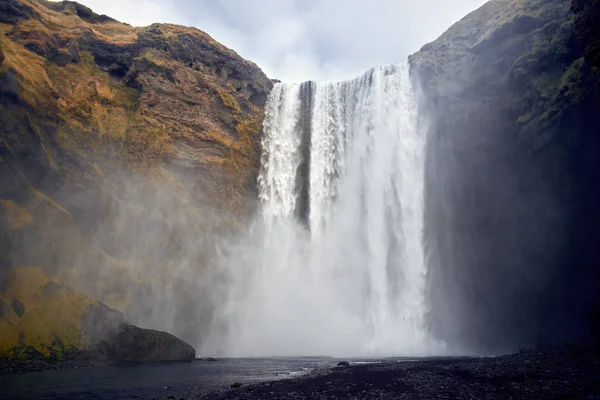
(46, 318)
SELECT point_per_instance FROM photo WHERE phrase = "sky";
(299, 40)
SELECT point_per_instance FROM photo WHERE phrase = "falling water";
(336, 266)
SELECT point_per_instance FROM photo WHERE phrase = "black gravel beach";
(569, 372)
(565, 372)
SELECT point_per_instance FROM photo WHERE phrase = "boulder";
(108, 334)
(100, 325)
(133, 344)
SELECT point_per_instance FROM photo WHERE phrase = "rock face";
(587, 16)
(49, 320)
(512, 182)
(123, 152)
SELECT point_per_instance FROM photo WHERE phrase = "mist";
(335, 264)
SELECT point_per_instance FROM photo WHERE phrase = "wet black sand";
(568, 372)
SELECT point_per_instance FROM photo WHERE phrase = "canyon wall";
(123, 152)
(511, 178)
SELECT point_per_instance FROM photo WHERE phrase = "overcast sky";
(298, 40)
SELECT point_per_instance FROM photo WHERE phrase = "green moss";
(229, 101)
(86, 58)
(51, 323)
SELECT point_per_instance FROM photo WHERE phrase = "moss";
(32, 82)
(46, 317)
(87, 58)
(228, 100)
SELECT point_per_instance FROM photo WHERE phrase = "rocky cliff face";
(512, 182)
(122, 151)
(587, 28)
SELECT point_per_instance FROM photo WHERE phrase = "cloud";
(297, 40)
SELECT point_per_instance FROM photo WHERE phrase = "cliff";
(512, 182)
(122, 151)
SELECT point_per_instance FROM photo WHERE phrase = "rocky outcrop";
(511, 194)
(49, 320)
(123, 152)
(133, 344)
(108, 335)
(587, 27)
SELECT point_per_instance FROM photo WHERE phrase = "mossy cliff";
(122, 150)
(512, 179)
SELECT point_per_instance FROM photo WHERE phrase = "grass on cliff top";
(69, 24)
(33, 83)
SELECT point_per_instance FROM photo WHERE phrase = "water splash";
(346, 161)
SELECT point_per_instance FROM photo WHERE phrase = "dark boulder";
(100, 324)
(133, 344)
(343, 364)
(108, 334)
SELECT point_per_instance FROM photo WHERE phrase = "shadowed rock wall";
(512, 179)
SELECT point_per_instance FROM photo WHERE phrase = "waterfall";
(336, 265)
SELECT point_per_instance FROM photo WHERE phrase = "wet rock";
(535, 127)
(108, 334)
(101, 323)
(133, 344)
(18, 307)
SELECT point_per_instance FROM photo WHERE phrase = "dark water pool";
(179, 380)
